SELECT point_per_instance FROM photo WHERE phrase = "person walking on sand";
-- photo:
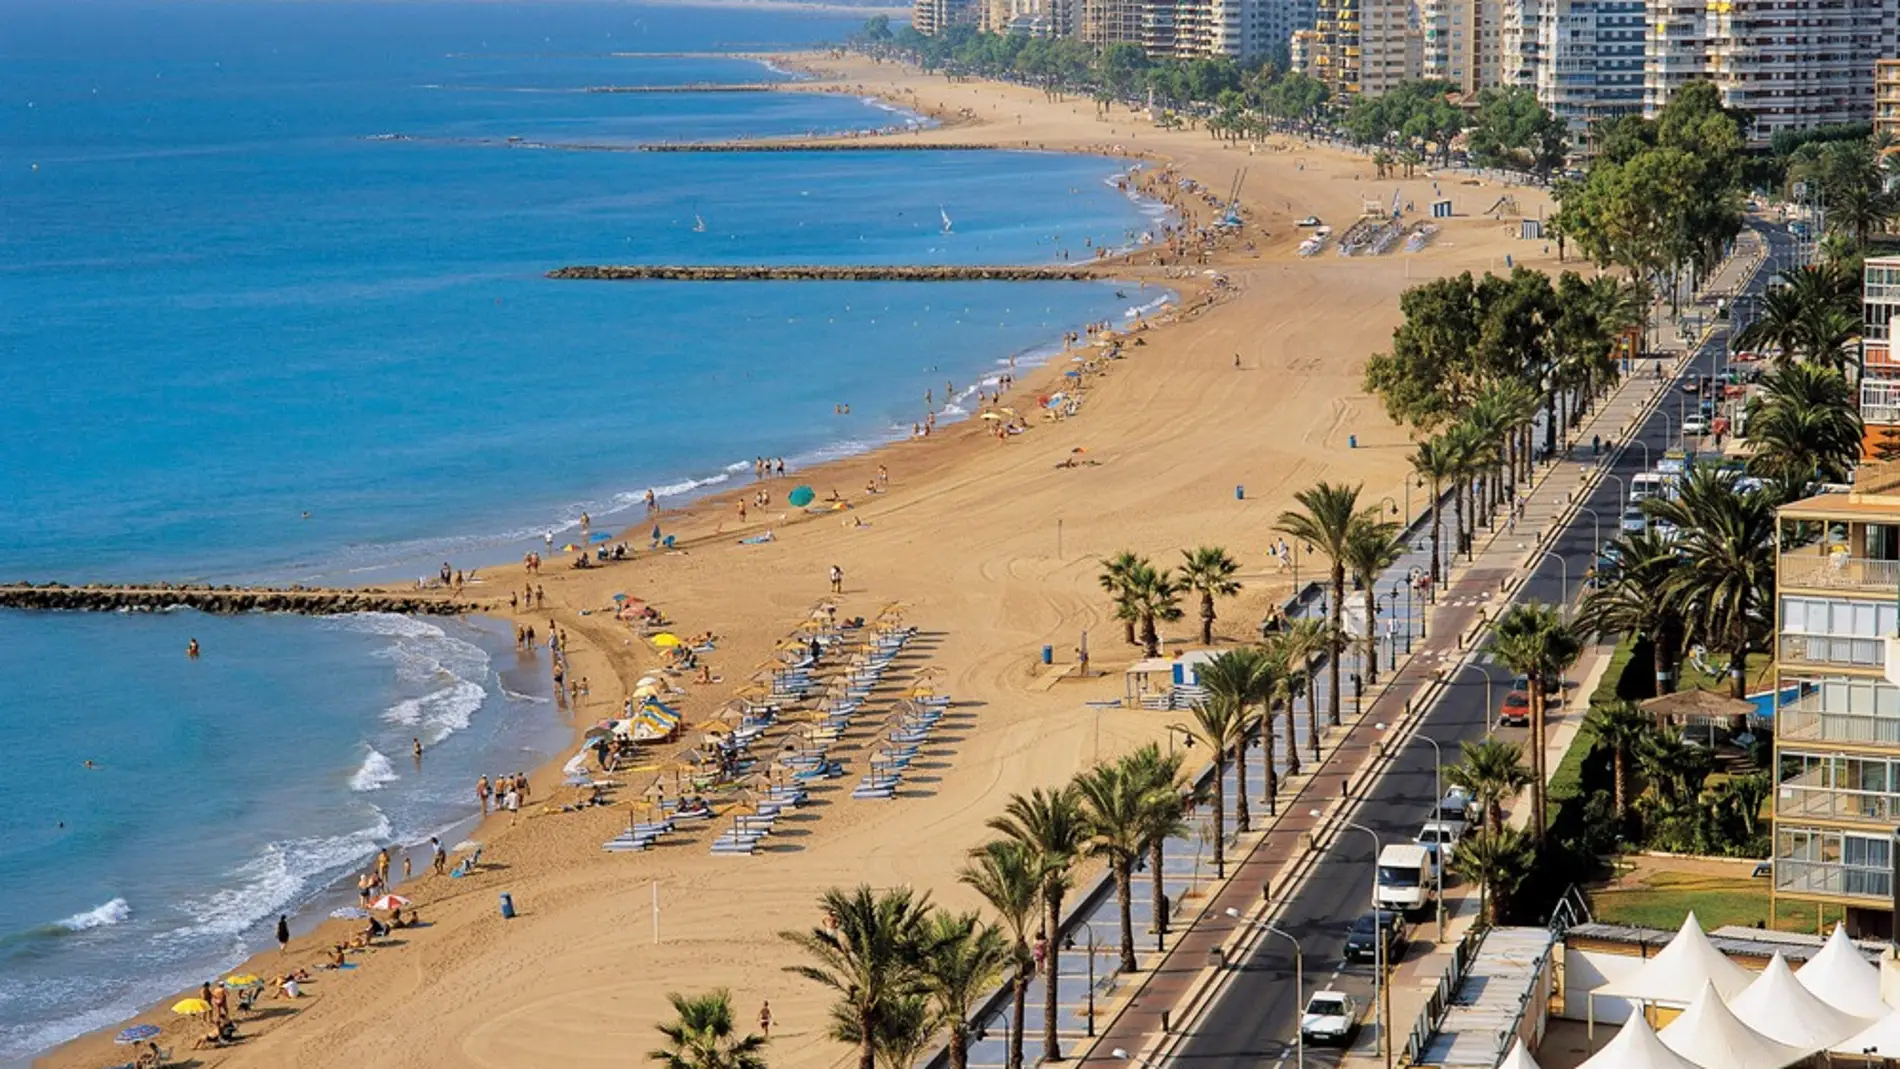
(765, 1019)
(382, 866)
(837, 579)
(436, 854)
(482, 791)
(283, 933)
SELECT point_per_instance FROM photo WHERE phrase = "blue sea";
(262, 259)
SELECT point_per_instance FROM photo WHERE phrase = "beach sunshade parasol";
(138, 1033)
(600, 536)
(389, 902)
(800, 497)
(243, 980)
(465, 846)
(191, 1005)
(619, 598)
(665, 640)
(992, 415)
(598, 733)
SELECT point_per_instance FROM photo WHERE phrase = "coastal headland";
(1236, 397)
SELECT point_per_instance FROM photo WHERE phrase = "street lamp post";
(1091, 1006)
(1299, 983)
(1407, 587)
(1647, 466)
(1490, 710)
(1622, 493)
(1438, 793)
(1563, 581)
(1379, 989)
(1596, 533)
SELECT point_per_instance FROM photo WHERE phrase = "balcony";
(1838, 572)
(1833, 879)
(1832, 650)
(1804, 721)
(1825, 803)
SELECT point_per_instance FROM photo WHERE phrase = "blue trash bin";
(1352, 441)
(1048, 655)
(1240, 493)
(507, 906)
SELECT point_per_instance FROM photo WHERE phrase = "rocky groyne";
(227, 600)
(822, 273)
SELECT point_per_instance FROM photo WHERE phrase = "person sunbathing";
(151, 1057)
(336, 955)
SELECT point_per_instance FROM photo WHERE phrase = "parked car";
(1697, 425)
(1635, 520)
(1457, 804)
(1362, 939)
(1551, 686)
(1439, 837)
(1330, 1017)
(1516, 710)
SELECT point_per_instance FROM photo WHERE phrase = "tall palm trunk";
(1272, 775)
(1150, 638)
(1207, 619)
(1550, 422)
(1619, 760)
(1158, 887)
(1051, 1044)
(1125, 892)
(1019, 998)
(867, 1046)
(1243, 817)
(1337, 647)
(1536, 684)
(1438, 512)
(1312, 714)
(1738, 674)
(1457, 518)
(1292, 748)
(959, 1046)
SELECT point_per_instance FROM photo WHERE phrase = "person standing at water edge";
(482, 791)
(283, 933)
(437, 857)
(382, 866)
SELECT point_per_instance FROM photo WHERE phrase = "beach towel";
(756, 540)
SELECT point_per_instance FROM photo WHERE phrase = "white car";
(1330, 1017)
(1439, 837)
(1309, 221)
(1695, 425)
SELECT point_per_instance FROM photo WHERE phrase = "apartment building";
(1880, 365)
(931, 17)
(1108, 22)
(1837, 714)
(1460, 43)
(1301, 49)
(1279, 20)
(1791, 64)
(1590, 61)
(1366, 46)
(1518, 21)
(1887, 97)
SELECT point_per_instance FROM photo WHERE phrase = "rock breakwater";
(227, 600)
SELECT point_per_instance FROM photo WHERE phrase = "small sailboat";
(946, 219)
(699, 225)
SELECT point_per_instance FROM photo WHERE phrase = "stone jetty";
(227, 600)
(824, 273)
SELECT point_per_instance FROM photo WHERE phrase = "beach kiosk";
(1165, 682)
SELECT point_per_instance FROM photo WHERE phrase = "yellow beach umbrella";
(665, 640)
(647, 690)
(243, 980)
(924, 691)
(192, 1005)
(791, 643)
(753, 690)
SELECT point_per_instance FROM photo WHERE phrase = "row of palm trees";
(1146, 596)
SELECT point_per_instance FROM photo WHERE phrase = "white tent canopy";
(1777, 1006)
(1882, 1037)
(1680, 970)
(1841, 977)
(1635, 1046)
(1519, 1058)
(1709, 1034)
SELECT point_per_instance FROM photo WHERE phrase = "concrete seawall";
(823, 273)
(226, 600)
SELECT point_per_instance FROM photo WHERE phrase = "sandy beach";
(991, 547)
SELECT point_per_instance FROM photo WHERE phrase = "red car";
(1516, 711)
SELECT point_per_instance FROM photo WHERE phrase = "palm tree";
(1436, 463)
(1163, 814)
(1727, 590)
(1005, 874)
(1238, 679)
(1209, 572)
(1804, 425)
(701, 1036)
(1326, 522)
(1114, 579)
(966, 956)
(1623, 728)
(1218, 723)
(1498, 860)
(1465, 450)
(1152, 594)
(1492, 771)
(1631, 602)
(905, 1032)
(871, 956)
(1291, 680)
(1305, 638)
(1372, 546)
(1049, 824)
(1113, 810)
(1534, 641)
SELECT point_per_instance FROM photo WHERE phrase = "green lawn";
(1663, 899)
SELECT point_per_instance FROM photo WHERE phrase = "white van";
(1405, 878)
(1645, 485)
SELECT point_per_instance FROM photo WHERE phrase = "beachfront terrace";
(1840, 544)
(1850, 711)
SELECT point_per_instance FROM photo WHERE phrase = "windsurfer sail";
(699, 225)
(946, 219)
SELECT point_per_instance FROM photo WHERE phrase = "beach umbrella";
(665, 640)
(800, 497)
(600, 536)
(992, 415)
(389, 902)
(191, 1006)
(569, 548)
(138, 1033)
(598, 733)
(243, 980)
(618, 598)
(465, 846)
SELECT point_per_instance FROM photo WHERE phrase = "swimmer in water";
(90, 767)
(191, 650)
